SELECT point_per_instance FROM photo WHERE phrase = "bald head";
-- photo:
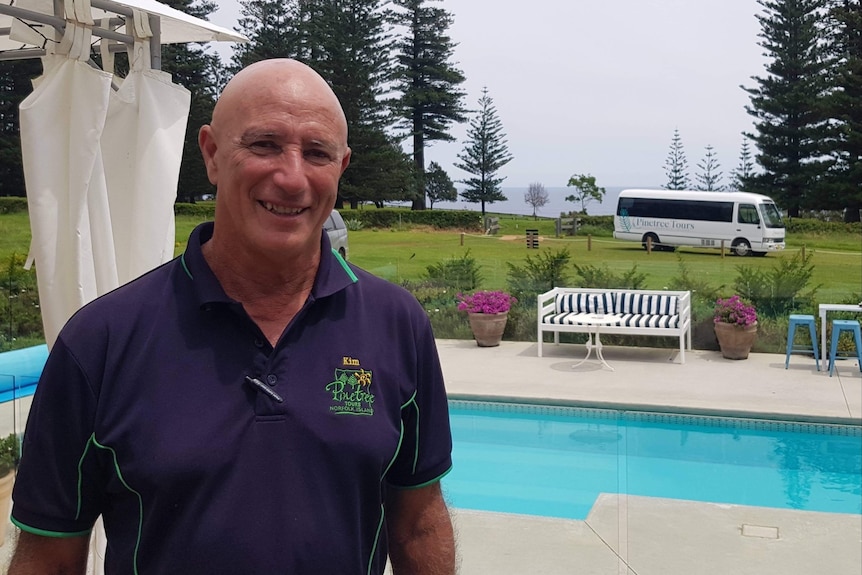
(278, 81)
(275, 150)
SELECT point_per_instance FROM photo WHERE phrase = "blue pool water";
(554, 461)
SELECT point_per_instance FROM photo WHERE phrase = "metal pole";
(155, 43)
(59, 23)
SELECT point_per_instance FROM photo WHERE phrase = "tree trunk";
(419, 160)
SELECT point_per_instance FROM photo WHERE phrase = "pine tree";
(787, 103)
(744, 172)
(431, 100)
(348, 43)
(15, 85)
(485, 152)
(199, 72)
(709, 177)
(843, 186)
(271, 27)
(676, 166)
(438, 185)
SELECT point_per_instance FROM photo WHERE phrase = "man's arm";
(38, 555)
(421, 539)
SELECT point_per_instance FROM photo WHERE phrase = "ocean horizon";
(556, 205)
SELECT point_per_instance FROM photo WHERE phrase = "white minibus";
(746, 223)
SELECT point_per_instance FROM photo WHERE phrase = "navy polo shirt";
(154, 409)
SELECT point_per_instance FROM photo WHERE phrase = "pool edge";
(663, 408)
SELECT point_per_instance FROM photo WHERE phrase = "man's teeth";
(281, 210)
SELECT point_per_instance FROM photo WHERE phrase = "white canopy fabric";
(176, 26)
(101, 166)
(142, 148)
(101, 169)
(101, 188)
(66, 190)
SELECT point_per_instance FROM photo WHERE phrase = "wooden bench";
(633, 312)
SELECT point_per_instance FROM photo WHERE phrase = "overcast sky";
(599, 86)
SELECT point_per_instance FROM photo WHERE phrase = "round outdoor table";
(596, 321)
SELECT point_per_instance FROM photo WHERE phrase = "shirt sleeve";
(425, 455)
(54, 491)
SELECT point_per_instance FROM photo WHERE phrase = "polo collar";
(333, 273)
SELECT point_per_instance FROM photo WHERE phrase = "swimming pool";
(555, 461)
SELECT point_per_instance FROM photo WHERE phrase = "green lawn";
(404, 254)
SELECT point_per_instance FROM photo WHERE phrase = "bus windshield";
(771, 216)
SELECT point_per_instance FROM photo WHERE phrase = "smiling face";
(275, 150)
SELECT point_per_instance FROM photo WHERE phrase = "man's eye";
(318, 155)
(262, 146)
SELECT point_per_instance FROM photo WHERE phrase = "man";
(257, 405)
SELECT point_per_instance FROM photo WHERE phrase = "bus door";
(748, 228)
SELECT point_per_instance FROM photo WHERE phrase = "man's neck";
(271, 292)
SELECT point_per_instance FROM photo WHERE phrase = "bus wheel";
(651, 238)
(741, 248)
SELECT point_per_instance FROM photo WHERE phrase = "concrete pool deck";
(628, 535)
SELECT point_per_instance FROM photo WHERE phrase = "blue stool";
(838, 326)
(802, 320)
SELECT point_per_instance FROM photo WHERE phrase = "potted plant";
(9, 455)
(488, 312)
(735, 326)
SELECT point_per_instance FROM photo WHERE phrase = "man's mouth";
(281, 210)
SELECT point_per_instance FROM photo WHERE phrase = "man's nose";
(290, 170)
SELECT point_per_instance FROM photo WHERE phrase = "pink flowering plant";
(485, 302)
(734, 310)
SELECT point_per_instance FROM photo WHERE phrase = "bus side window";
(748, 214)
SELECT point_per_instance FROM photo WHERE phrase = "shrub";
(539, 274)
(10, 453)
(820, 227)
(19, 310)
(397, 217)
(13, 205)
(735, 311)
(201, 210)
(596, 231)
(494, 301)
(353, 224)
(603, 277)
(778, 290)
(457, 273)
(700, 289)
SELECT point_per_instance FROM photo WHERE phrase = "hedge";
(12, 205)
(393, 217)
(448, 219)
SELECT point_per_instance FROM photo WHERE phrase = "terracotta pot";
(6, 484)
(488, 328)
(735, 341)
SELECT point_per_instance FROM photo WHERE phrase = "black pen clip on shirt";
(263, 388)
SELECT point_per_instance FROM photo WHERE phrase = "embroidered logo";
(351, 390)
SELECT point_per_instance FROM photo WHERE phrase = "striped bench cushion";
(651, 304)
(624, 320)
(584, 303)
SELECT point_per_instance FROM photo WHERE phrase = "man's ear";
(345, 161)
(207, 144)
